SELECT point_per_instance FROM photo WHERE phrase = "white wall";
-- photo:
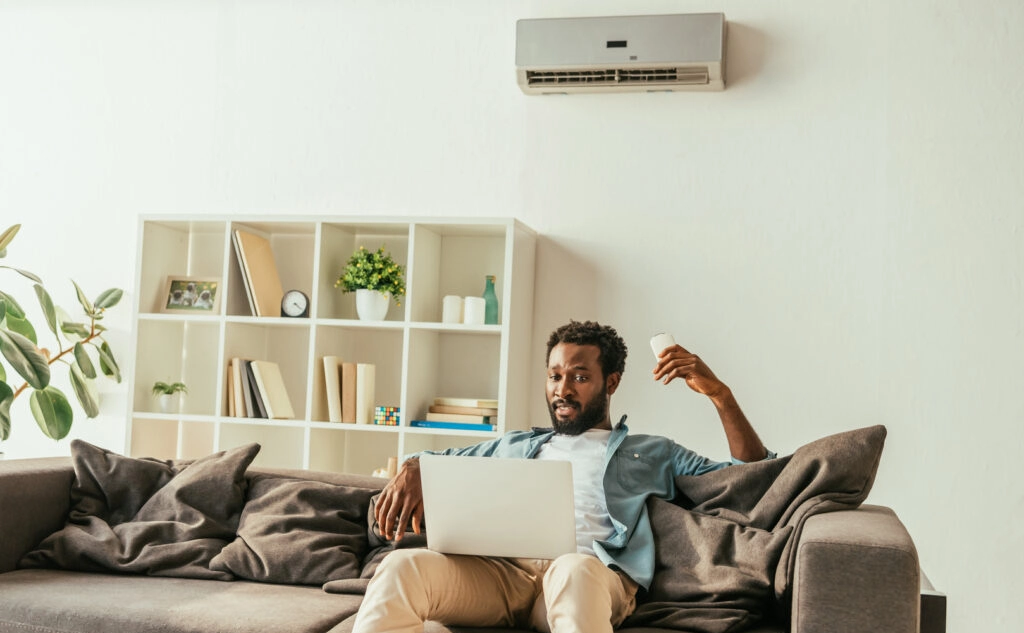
(838, 233)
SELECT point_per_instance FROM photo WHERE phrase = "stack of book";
(350, 390)
(464, 414)
(256, 390)
(259, 272)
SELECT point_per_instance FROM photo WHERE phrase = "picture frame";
(187, 294)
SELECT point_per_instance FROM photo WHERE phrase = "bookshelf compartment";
(351, 451)
(293, 246)
(280, 446)
(337, 243)
(181, 249)
(286, 344)
(197, 439)
(455, 261)
(451, 364)
(381, 347)
(178, 350)
(154, 438)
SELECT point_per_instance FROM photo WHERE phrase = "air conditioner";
(621, 54)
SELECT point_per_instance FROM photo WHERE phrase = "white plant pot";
(372, 305)
(169, 402)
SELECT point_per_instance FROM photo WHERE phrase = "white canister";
(474, 309)
(451, 309)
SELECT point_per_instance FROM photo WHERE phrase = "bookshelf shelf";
(417, 357)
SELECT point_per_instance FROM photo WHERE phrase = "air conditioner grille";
(618, 76)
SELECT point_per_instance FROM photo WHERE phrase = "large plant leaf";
(84, 362)
(12, 307)
(34, 277)
(8, 235)
(25, 359)
(52, 412)
(46, 303)
(77, 330)
(3, 374)
(109, 298)
(82, 299)
(107, 363)
(23, 327)
(85, 391)
(6, 398)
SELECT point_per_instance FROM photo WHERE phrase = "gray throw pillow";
(146, 516)
(297, 531)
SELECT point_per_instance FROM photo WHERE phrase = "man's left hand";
(676, 362)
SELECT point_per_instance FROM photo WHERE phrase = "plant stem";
(92, 334)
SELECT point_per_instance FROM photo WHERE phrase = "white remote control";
(660, 341)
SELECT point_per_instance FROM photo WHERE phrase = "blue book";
(459, 426)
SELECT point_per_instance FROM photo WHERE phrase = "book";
(348, 392)
(254, 407)
(237, 389)
(257, 260)
(460, 426)
(276, 403)
(443, 408)
(480, 403)
(365, 375)
(230, 398)
(332, 382)
(245, 274)
(459, 417)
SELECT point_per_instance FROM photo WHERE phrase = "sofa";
(277, 567)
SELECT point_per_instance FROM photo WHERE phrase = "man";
(594, 589)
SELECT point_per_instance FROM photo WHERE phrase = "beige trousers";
(574, 593)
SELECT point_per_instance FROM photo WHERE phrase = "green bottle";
(490, 302)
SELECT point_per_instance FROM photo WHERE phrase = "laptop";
(491, 506)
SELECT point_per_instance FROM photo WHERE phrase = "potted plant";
(77, 342)
(375, 277)
(166, 392)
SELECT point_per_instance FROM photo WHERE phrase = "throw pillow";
(146, 516)
(297, 531)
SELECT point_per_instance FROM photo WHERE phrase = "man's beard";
(587, 418)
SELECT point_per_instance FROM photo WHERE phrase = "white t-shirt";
(586, 452)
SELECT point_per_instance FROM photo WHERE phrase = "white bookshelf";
(418, 358)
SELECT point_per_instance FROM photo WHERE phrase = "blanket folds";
(724, 553)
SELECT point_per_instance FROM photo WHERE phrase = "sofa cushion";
(46, 600)
(146, 516)
(298, 531)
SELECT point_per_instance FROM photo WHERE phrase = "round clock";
(295, 303)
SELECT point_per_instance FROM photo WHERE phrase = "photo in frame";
(197, 295)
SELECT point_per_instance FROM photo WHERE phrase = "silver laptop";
(490, 506)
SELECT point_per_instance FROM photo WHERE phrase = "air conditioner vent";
(619, 76)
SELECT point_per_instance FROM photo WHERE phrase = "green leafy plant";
(168, 388)
(32, 363)
(373, 270)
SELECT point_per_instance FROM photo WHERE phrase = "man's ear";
(611, 383)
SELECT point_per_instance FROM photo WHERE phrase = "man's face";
(577, 390)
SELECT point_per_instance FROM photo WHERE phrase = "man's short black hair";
(613, 348)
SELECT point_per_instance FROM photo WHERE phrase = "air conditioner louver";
(620, 54)
(620, 76)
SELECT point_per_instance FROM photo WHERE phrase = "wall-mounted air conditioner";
(619, 54)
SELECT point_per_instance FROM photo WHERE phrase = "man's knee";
(569, 566)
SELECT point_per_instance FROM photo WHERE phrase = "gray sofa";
(853, 570)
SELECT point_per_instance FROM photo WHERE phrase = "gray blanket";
(725, 545)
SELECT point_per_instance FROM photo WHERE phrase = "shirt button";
(636, 455)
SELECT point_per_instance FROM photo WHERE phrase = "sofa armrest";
(35, 497)
(856, 571)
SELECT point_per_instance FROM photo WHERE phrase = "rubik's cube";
(387, 416)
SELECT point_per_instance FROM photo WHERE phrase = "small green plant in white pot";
(169, 395)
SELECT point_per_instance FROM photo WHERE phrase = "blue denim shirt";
(636, 466)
